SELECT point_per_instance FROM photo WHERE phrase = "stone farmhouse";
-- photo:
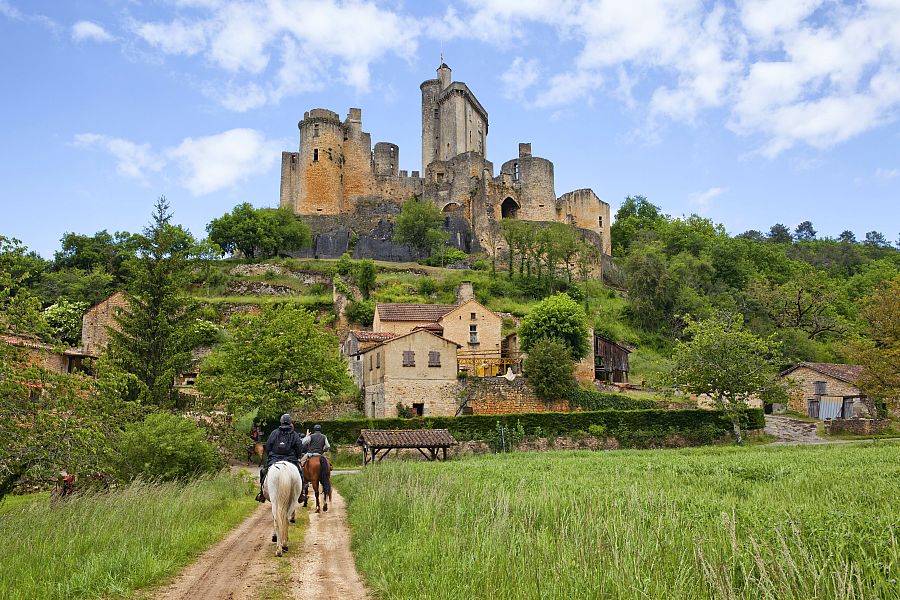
(415, 369)
(346, 190)
(827, 391)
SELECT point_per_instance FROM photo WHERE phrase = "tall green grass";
(106, 545)
(732, 523)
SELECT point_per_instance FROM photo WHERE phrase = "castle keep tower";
(453, 120)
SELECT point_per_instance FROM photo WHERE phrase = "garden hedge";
(696, 424)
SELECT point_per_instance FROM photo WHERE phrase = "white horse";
(283, 488)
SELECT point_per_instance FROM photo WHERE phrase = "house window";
(418, 408)
(473, 334)
(473, 316)
(316, 155)
(821, 388)
(370, 362)
(434, 359)
(378, 360)
(409, 358)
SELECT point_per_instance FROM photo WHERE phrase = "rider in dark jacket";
(283, 444)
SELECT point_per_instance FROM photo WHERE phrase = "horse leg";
(316, 490)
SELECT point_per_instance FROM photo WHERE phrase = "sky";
(749, 113)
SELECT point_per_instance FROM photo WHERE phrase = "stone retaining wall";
(856, 426)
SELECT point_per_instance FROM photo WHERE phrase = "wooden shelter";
(377, 443)
(610, 360)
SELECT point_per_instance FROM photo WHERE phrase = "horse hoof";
(278, 551)
(274, 539)
(317, 509)
(325, 508)
(284, 548)
(293, 520)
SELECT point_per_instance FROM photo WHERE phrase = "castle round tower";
(534, 178)
(320, 165)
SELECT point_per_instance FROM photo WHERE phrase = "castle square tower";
(453, 120)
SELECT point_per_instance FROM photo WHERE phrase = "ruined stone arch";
(451, 207)
(509, 209)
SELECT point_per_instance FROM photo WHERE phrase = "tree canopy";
(259, 232)
(420, 226)
(557, 317)
(275, 361)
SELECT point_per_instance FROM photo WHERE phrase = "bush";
(590, 399)
(361, 312)
(696, 426)
(165, 447)
(550, 369)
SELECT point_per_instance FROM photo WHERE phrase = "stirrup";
(260, 497)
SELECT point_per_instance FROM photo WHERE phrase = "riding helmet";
(317, 428)
(285, 419)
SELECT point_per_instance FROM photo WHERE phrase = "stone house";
(416, 369)
(355, 344)
(475, 328)
(45, 356)
(827, 391)
(96, 321)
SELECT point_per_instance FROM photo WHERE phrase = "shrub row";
(620, 423)
(588, 399)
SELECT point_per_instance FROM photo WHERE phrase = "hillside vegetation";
(778, 523)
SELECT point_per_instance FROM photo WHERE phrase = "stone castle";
(350, 194)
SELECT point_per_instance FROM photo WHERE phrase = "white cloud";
(207, 164)
(312, 41)
(90, 31)
(215, 162)
(519, 77)
(702, 200)
(887, 174)
(133, 160)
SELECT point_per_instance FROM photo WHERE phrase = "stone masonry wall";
(805, 379)
(499, 396)
(856, 426)
(94, 336)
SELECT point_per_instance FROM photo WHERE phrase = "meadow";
(727, 523)
(106, 545)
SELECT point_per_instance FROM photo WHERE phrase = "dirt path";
(243, 566)
(234, 569)
(327, 567)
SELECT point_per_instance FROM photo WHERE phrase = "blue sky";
(749, 113)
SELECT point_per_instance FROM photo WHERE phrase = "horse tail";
(282, 500)
(325, 476)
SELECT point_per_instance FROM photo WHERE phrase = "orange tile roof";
(429, 313)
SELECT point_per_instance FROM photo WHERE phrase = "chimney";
(464, 292)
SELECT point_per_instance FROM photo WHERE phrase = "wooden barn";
(610, 360)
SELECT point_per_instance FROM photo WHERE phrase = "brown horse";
(315, 471)
(256, 450)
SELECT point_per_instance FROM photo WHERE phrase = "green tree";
(779, 234)
(420, 226)
(64, 320)
(152, 340)
(805, 232)
(258, 231)
(847, 236)
(879, 351)
(102, 251)
(652, 292)
(364, 277)
(277, 361)
(637, 214)
(76, 285)
(557, 317)
(807, 302)
(550, 369)
(876, 239)
(728, 364)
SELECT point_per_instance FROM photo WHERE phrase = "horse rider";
(316, 444)
(283, 444)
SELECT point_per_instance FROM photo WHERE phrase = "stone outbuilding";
(96, 322)
(827, 391)
(416, 370)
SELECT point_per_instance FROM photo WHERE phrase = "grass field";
(105, 546)
(775, 523)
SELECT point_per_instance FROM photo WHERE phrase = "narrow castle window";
(315, 131)
(601, 221)
(437, 114)
(329, 154)
(316, 155)
(515, 171)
